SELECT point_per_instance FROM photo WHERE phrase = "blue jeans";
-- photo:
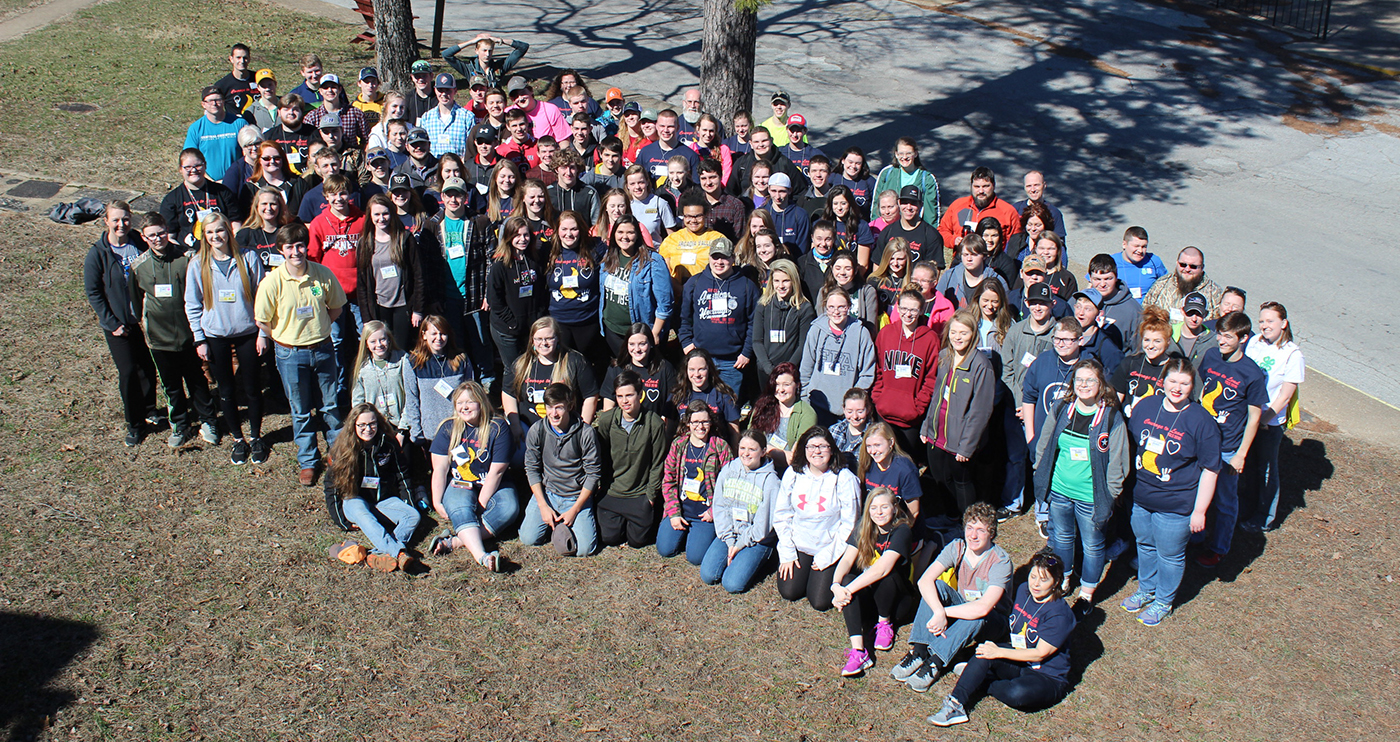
(463, 506)
(1226, 505)
(1013, 494)
(371, 522)
(1261, 494)
(309, 378)
(1161, 549)
(1069, 515)
(345, 336)
(736, 576)
(475, 339)
(956, 635)
(533, 531)
(734, 377)
(695, 542)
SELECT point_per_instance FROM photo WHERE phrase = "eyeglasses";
(1060, 340)
(1086, 382)
(699, 422)
(366, 426)
(192, 168)
(273, 158)
(1188, 266)
(818, 446)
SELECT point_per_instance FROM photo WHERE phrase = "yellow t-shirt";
(778, 129)
(298, 309)
(686, 253)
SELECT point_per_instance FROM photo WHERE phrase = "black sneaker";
(261, 451)
(133, 437)
(239, 454)
(1003, 514)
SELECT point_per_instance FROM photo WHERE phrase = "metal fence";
(1308, 16)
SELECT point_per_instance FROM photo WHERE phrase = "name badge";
(274, 260)
(570, 282)
(537, 396)
(1018, 641)
(1136, 292)
(971, 595)
(1078, 454)
(947, 392)
(443, 388)
(777, 441)
(719, 304)
(294, 157)
(687, 258)
(691, 486)
(369, 483)
(1028, 359)
(1156, 443)
(482, 188)
(831, 369)
(383, 401)
(1177, 315)
(659, 171)
(164, 291)
(228, 296)
(740, 515)
(903, 371)
(614, 284)
(306, 312)
(527, 291)
(456, 251)
(389, 271)
(777, 336)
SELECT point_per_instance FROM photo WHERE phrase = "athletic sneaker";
(209, 433)
(179, 437)
(1154, 614)
(907, 665)
(1005, 514)
(1135, 602)
(133, 437)
(951, 713)
(1040, 528)
(958, 669)
(240, 452)
(857, 662)
(884, 636)
(924, 677)
(261, 451)
(1210, 560)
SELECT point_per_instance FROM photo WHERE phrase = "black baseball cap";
(1039, 293)
(1196, 302)
(911, 193)
(399, 182)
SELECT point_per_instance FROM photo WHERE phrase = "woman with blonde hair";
(783, 318)
(873, 576)
(504, 191)
(545, 361)
(377, 376)
(472, 488)
(891, 277)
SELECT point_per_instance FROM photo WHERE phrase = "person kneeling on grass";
(471, 485)
(879, 550)
(688, 485)
(563, 465)
(743, 509)
(949, 617)
(369, 474)
(1032, 672)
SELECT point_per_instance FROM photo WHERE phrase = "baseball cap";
(421, 67)
(445, 81)
(612, 95)
(1039, 293)
(264, 75)
(488, 132)
(378, 153)
(1092, 295)
(454, 184)
(797, 119)
(328, 80)
(911, 193)
(516, 83)
(330, 121)
(478, 80)
(417, 134)
(210, 90)
(369, 73)
(781, 96)
(648, 114)
(1033, 263)
(1195, 302)
(722, 246)
(563, 540)
(399, 182)
(632, 107)
(781, 180)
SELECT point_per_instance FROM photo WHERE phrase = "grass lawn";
(168, 595)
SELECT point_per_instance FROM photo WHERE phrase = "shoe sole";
(895, 673)
(949, 722)
(858, 671)
(236, 462)
(921, 688)
(884, 648)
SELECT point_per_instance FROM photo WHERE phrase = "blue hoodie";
(1045, 382)
(793, 227)
(716, 313)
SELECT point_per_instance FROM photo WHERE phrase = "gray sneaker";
(906, 666)
(179, 437)
(924, 677)
(208, 433)
(951, 713)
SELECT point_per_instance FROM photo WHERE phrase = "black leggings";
(630, 519)
(136, 375)
(181, 369)
(1012, 683)
(893, 597)
(585, 338)
(813, 584)
(399, 320)
(957, 477)
(910, 441)
(221, 354)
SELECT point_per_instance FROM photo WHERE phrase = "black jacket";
(106, 285)
(511, 313)
(411, 273)
(386, 460)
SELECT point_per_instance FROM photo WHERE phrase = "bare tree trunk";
(395, 43)
(727, 57)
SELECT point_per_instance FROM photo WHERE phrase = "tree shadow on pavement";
(33, 650)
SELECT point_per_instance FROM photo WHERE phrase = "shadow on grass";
(33, 650)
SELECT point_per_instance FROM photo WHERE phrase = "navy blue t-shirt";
(863, 190)
(470, 459)
(1050, 622)
(1228, 390)
(902, 478)
(573, 288)
(693, 504)
(720, 405)
(654, 160)
(1172, 450)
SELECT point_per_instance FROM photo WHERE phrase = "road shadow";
(33, 650)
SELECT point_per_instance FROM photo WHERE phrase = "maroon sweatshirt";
(906, 373)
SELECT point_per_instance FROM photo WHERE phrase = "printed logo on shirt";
(343, 244)
(717, 306)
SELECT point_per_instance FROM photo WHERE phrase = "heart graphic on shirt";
(653, 395)
(1173, 447)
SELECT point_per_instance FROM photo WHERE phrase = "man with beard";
(294, 134)
(690, 116)
(1137, 267)
(962, 216)
(1169, 292)
(761, 140)
(1035, 193)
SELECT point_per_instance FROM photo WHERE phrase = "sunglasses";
(1188, 266)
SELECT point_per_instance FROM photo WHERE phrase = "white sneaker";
(208, 433)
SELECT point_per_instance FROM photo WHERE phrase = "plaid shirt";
(352, 123)
(727, 217)
(450, 135)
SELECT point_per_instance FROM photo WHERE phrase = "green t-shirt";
(616, 289)
(1073, 476)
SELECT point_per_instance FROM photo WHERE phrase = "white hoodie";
(814, 514)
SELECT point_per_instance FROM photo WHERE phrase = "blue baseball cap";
(1092, 295)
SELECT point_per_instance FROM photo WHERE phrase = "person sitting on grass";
(367, 481)
(564, 467)
(743, 508)
(472, 488)
(817, 506)
(873, 576)
(1032, 672)
(949, 617)
(688, 485)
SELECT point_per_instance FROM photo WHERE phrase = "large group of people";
(595, 325)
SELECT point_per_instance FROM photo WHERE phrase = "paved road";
(1285, 174)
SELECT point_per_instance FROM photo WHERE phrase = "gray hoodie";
(381, 383)
(1020, 349)
(565, 463)
(831, 365)
(1124, 312)
(743, 504)
(230, 315)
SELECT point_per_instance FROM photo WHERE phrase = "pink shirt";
(547, 120)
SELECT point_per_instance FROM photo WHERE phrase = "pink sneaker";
(857, 662)
(884, 636)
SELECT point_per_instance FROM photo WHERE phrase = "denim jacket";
(650, 294)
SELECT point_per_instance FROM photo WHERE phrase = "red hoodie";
(900, 397)
(333, 242)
